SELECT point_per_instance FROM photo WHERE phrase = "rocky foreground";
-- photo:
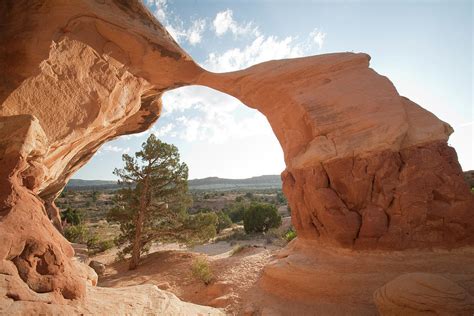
(366, 169)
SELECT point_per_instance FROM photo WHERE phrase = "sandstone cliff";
(365, 167)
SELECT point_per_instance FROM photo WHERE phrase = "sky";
(423, 47)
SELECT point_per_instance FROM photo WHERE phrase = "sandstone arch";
(365, 167)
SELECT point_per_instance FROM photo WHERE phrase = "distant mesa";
(210, 183)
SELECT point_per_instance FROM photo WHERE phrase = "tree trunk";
(136, 241)
(137, 247)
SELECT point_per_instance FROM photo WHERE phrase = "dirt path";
(170, 268)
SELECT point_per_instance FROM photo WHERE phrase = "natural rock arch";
(366, 167)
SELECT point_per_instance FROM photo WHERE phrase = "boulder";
(98, 267)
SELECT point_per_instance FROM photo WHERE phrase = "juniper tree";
(152, 203)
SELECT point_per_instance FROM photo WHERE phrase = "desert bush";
(82, 235)
(280, 198)
(290, 235)
(236, 212)
(202, 271)
(274, 232)
(92, 241)
(260, 217)
(223, 221)
(77, 233)
(236, 234)
(94, 196)
(202, 225)
(72, 216)
(204, 210)
(95, 245)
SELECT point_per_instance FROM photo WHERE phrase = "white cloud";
(224, 22)
(115, 149)
(260, 50)
(174, 25)
(203, 114)
(210, 116)
(164, 130)
(318, 37)
(177, 32)
(139, 135)
(159, 9)
(194, 33)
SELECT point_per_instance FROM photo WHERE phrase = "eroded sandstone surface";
(423, 294)
(307, 279)
(366, 167)
(74, 75)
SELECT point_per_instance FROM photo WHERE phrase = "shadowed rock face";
(74, 75)
(366, 167)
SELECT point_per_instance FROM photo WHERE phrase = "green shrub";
(82, 235)
(280, 198)
(203, 226)
(235, 234)
(202, 271)
(260, 217)
(94, 196)
(223, 222)
(204, 210)
(92, 241)
(236, 212)
(77, 233)
(290, 235)
(71, 216)
(96, 246)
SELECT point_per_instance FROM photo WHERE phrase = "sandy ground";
(169, 267)
(300, 279)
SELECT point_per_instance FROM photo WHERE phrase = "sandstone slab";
(423, 294)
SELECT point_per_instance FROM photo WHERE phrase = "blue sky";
(423, 47)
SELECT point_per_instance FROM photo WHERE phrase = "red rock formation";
(366, 167)
(74, 75)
